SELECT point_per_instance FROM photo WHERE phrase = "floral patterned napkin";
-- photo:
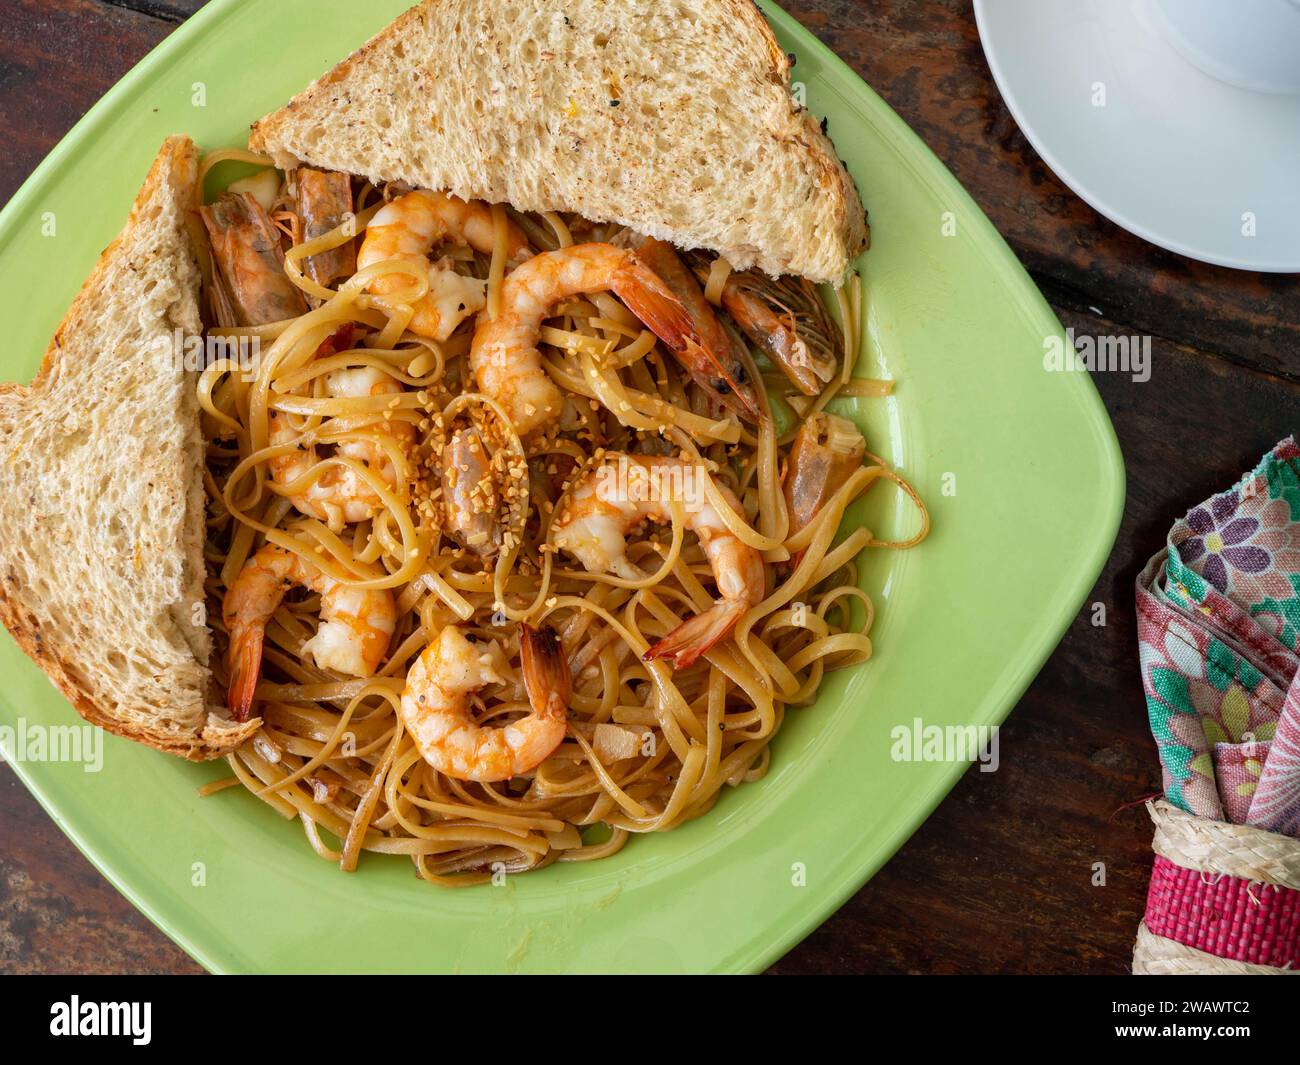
(1219, 641)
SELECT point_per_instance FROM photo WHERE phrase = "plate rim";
(753, 955)
(1113, 490)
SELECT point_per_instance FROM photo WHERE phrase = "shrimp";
(788, 322)
(827, 449)
(469, 493)
(355, 624)
(435, 705)
(409, 228)
(246, 247)
(341, 495)
(504, 355)
(718, 364)
(324, 202)
(628, 489)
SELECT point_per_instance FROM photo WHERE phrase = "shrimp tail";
(547, 678)
(663, 293)
(684, 645)
(245, 669)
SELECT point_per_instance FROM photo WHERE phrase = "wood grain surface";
(1003, 877)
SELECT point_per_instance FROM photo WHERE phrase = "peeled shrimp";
(409, 228)
(504, 357)
(341, 495)
(435, 705)
(629, 489)
(355, 624)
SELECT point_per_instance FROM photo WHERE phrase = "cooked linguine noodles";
(364, 462)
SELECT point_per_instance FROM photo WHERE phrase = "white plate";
(1159, 147)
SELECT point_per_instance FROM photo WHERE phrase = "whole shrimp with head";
(786, 320)
(435, 706)
(719, 363)
(250, 261)
(408, 230)
(629, 489)
(505, 357)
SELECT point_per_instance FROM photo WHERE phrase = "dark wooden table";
(1001, 877)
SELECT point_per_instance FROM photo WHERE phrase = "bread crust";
(851, 215)
(177, 163)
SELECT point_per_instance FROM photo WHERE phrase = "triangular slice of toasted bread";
(101, 490)
(675, 118)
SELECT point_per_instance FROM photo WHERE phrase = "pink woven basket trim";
(1225, 916)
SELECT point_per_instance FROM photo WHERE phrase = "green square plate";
(1020, 467)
